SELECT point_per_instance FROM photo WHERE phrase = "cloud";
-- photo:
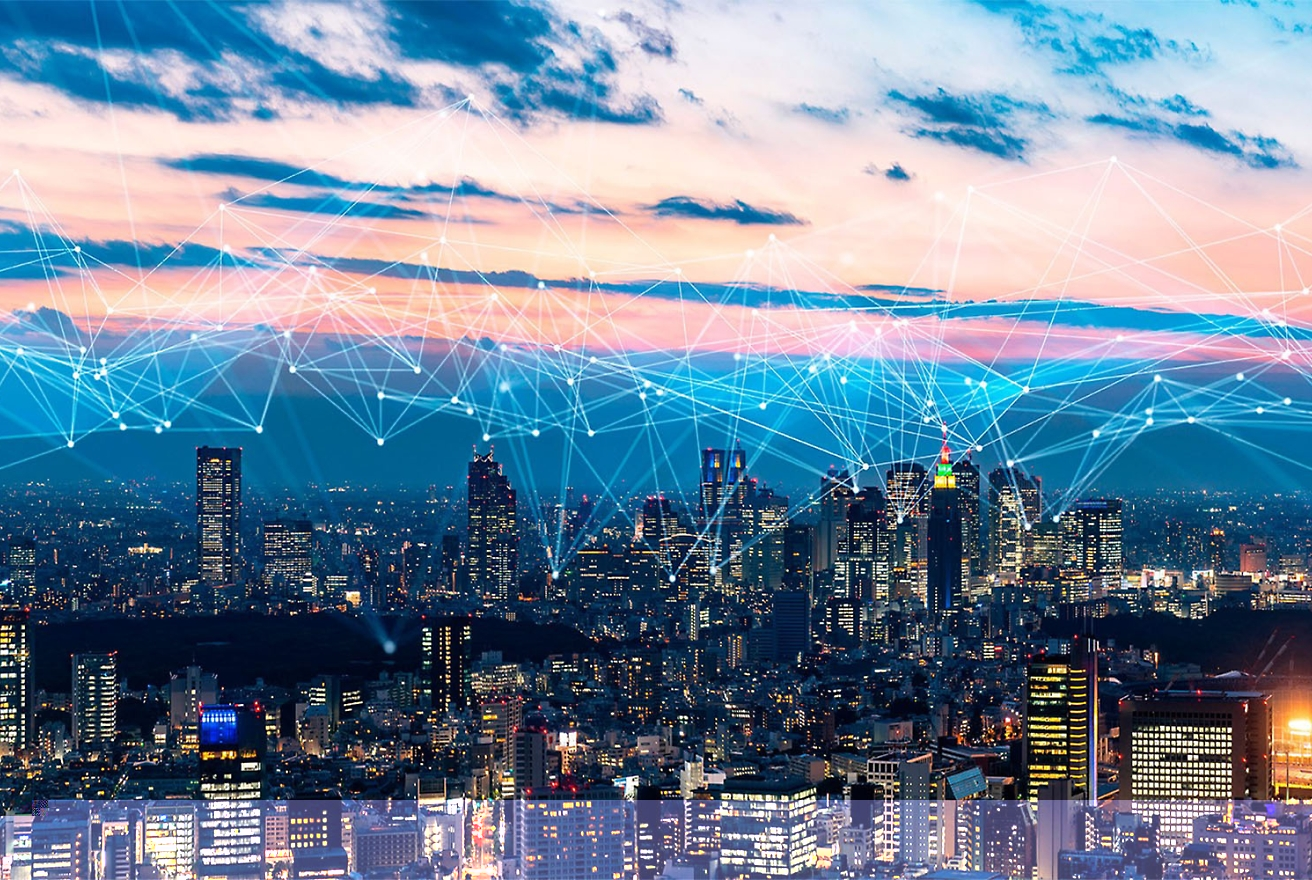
(894, 172)
(651, 40)
(984, 122)
(533, 61)
(691, 97)
(324, 203)
(28, 252)
(1087, 43)
(737, 211)
(833, 115)
(215, 61)
(1255, 151)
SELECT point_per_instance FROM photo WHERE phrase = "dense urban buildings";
(854, 682)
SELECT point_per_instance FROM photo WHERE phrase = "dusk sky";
(1061, 199)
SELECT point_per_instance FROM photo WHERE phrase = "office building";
(1015, 507)
(836, 493)
(15, 680)
(907, 487)
(766, 828)
(1183, 752)
(968, 495)
(189, 689)
(22, 570)
(218, 515)
(944, 540)
(1257, 845)
(287, 558)
(1091, 543)
(798, 543)
(169, 838)
(231, 823)
(94, 700)
(721, 503)
(565, 828)
(61, 845)
(530, 745)
(445, 664)
(861, 571)
(791, 618)
(493, 560)
(1061, 717)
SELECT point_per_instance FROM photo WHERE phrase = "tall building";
(529, 758)
(571, 830)
(908, 489)
(1061, 720)
(493, 531)
(1183, 752)
(22, 570)
(1015, 507)
(720, 510)
(15, 680)
(968, 485)
(798, 544)
(445, 663)
(190, 689)
(288, 557)
(1091, 543)
(230, 840)
(862, 569)
(94, 699)
(767, 828)
(944, 540)
(791, 617)
(836, 492)
(218, 515)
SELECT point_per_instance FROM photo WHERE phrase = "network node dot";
(1025, 389)
(70, 444)
(591, 433)
(593, 359)
(1149, 420)
(487, 437)
(77, 248)
(417, 370)
(380, 441)
(762, 404)
(291, 368)
(168, 424)
(772, 238)
(381, 395)
(469, 410)
(1239, 377)
(642, 395)
(122, 427)
(673, 579)
(1148, 411)
(1260, 410)
(570, 381)
(1011, 462)
(1287, 401)
(1191, 420)
(842, 380)
(536, 432)
(259, 429)
(1157, 378)
(114, 415)
(159, 429)
(1096, 433)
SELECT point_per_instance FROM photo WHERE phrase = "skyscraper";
(230, 843)
(570, 831)
(967, 473)
(836, 493)
(1015, 507)
(862, 570)
(908, 491)
(1182, 752)
(1061, 717)
(22, 570)
(445, 664)
(288, 556)
(15, 679)
(944, 539)
(723, 492)
(94, 699)
(1091, 543)
(493, 532)
(798, 543)
(218, 515)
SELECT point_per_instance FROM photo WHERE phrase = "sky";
(1073, 236)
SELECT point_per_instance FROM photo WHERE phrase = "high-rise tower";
(493, 537)
(968, 486)
(943, 545)
(15, 679)
(94, 699)
(218, 515)
(1091, 543)
(1061, 717)
(1015, 507)
(444, 664)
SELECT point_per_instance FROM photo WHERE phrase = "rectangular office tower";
(288, 557)
(767, 828)
(230, 843)
(1061, 720)
(1184, 754)
(94, 700)
(492, 529)
(218, 515)
(445, 664)
(15, 681)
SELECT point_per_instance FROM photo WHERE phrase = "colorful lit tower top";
(944, 476)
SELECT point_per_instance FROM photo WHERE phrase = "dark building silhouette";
(944, 540)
